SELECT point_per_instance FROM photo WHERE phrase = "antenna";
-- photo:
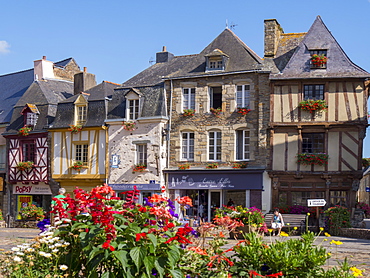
(233, 25)
(151, 61)
(227, 24)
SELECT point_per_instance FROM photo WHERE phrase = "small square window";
(315, 92)
(313, 142)
(81, 152)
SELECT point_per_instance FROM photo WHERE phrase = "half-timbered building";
(318, 117)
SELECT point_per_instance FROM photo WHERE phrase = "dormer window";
(133, 108)
(80, 110)
(216, 60)
(30, 114)
(133, 104)
(318, 59)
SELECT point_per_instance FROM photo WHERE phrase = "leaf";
(173, 255)
(137, 255)
(122, 258)
(159, 265)
(176, 273)
(95, 252)
(78, 225)
(94, 262)
(149, 264)
(153, 239)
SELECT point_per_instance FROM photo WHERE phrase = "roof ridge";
(296, 33)
(112, 83)
(16, 72)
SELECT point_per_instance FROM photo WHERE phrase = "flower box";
(318, 61)
(184, 166)
(212, 166)
(188, 112)
(32, 212)
(239, 165)
(139, 168)
(24, 165)
(312, 158)
(75, 128)
(77, 166)
(216, 111)
(243, 110)
(129, 126)
(312, 105)
(24, 131)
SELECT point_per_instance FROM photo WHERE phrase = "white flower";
(63, 267)
(58, 223)
(16, 249)
(58, 244)
(66, 220)
(29, 250)
(55, 250)
(17, 259)
(47, 255)
(42, 253)
(19, 253)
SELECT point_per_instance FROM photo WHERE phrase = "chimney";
(273, 32)
(164, 56)
(43, 69)
(83, 81)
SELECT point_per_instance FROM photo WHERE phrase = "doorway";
(215, 201)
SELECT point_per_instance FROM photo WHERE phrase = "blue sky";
(116, 39)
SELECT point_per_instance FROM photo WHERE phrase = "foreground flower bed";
(101, 236)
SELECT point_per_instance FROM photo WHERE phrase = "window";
(187, 145)
(81, 114)
(31, 119)
(141, 154)
(242, 144)
(313, 142)
(319, 52)
(315, 92)
(242, 95)
(29, 151)
(81, 153)
(214, 145)
(215, 95)
(216, 64)
(133, 107)
(188, 96)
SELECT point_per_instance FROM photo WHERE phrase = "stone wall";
(355, 233)
(68, 72)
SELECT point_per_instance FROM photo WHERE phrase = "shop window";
(338, 198)
(133, 109)
(315, 92)
(242, 144)
(242, 96)
(81, 152)
(300, 198)
(214, 145)
(187, 146)
(215, 95)
(141, 154)
(188, 98)
(29, 151)
(313, 142)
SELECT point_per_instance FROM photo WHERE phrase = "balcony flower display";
(318, 60)
(212, 166)
(24, 131)
(184, 166)
(139, 168)
(77, 166)
(129, 125)
(243, 110)
(188, 112)
(312, 105)
(75, 128)
(216, 111)
(312, 158)
(239, 165)
(25, 165)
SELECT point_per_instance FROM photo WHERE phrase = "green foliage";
(248, 216)
(338, 217)
(32, 211)
(1, 215)
(312, 158)
(365, 162)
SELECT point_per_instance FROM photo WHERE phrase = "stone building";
(315, 154)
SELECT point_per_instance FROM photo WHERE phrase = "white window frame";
(213, 154)
(246, 144)
(31, 119)
(133, 109)
(188, 98)
(187, 146)
(142, 154)
(242, 96)
(83, 154)
(81, 114)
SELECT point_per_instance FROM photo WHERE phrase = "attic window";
(216, 60)
(318, 59)
(81, 112)
(31, 119)
(30, 114)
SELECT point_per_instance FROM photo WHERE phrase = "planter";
(240, 231)
(32, 218)
(188, 112)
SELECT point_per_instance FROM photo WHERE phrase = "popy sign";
(316, 202)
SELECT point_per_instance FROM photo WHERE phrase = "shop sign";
(126, 186)
(32, 189)
(316, 202)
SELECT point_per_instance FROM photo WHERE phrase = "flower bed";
(212, 166)
(312, 158)
(32, 211)
(239, 165)
(184, 166)
(318, 60)
(312, 105)
(338, 218)
(188, 112)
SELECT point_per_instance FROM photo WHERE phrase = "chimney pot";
(164, 49)
(85, 69)
(44, 57)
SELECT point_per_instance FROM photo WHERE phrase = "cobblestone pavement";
(357, 251)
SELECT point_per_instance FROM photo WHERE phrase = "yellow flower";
(325, 239)
(321, 229)
(327, 235)
(287, 224)
(270, 230)
(295, 228)
(336, 242)
(329, 254)
(283, 234)
(356, 272)
(308, 213)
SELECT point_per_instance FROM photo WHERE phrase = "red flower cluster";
(312, 105)
(252, 273)
(139, 168)
(185, 201)
(24, 131)
(319, 60)
(181, 235)
(243, 110)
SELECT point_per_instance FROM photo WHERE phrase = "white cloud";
(4, 47)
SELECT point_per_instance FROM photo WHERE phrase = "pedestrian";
(230, 203)
(277, 222)
(60, 197)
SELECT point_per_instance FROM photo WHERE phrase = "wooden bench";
(294, 220)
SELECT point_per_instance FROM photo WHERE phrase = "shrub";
(365, 207)
(338, 217)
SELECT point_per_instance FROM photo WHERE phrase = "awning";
(31, 189)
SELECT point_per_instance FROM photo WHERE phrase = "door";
(214, 202)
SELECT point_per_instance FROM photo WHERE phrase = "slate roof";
(96, 111)
(241, 58)
(152, 102)
(318, 38)
(13, 86)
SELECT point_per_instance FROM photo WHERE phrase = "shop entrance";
(215, 201)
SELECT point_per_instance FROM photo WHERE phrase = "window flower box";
(32, 212)
(77, 166)
(25, 165)
(129, 125)
(318, 61)
(212, 166)
(312, 158)
(75, 128)
(24, 131)
(365, 162)
(184, 166)
(216, 111)
(188, 112)
(243, 110)
(240, 165)
(139, 168)
(312, 105)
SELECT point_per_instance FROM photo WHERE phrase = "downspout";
(169, 128)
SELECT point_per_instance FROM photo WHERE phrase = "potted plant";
(188, 112)
(240, 164)
(312, 158)
(318, 61)
(243, 110)
(77, 166)
(129, 125)
(216, 111)
(212, 165)
(24, 165)
(139, 167)
(24, 131)
(75, 128)
(184, 166)
(32, 212)
(312, 105)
